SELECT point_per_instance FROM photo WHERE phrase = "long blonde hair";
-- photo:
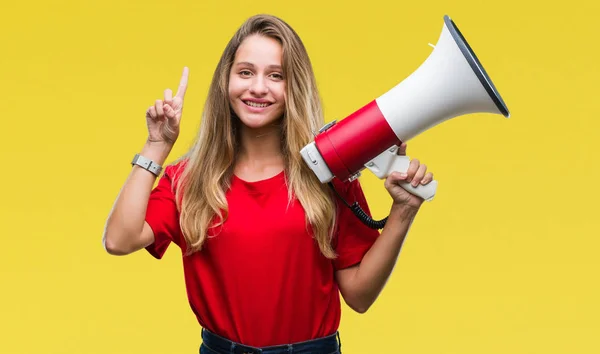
(210, 161)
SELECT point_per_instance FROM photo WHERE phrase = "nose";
(259, 86)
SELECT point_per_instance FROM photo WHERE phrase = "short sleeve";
(162, 215)
(353, 238)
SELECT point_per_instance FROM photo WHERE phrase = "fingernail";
(415, 183)
(403, 175)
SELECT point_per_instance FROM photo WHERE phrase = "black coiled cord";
(360, 214)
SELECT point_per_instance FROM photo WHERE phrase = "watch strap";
(146, 164)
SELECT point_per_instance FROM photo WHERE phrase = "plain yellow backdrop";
(503, 260)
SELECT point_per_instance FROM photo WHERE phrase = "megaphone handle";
(389, 161)
(426, 192)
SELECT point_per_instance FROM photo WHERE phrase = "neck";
(260, 150)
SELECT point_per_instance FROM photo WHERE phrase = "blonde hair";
(210, 161)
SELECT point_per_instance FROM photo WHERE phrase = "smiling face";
(256, 82)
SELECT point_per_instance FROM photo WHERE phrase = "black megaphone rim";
(476, 65)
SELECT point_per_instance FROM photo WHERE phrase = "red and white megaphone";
(451, 82)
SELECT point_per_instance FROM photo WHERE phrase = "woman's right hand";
(164, 116)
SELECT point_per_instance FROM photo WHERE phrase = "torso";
(261, 279)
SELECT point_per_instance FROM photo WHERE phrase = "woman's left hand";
(416, 174)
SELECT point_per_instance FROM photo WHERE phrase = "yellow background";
(504, 260)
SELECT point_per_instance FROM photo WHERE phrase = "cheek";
(234, 88)
(281, 94)
(234, 93)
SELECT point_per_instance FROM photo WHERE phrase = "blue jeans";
(214, 344)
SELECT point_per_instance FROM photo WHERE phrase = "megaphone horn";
(450, 82)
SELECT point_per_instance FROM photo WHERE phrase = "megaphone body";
(450, 82)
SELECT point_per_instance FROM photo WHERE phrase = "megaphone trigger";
(389, 161)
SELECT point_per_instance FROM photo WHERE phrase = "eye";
(245, 73)
(277, 76)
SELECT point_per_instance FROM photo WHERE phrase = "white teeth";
(254, 104)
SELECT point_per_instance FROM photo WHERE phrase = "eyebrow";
(245, 63)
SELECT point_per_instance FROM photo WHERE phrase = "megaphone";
(451, 82)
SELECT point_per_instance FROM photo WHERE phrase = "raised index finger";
(183, 83)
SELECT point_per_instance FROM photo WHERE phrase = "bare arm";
(361, 284)
(126, 230)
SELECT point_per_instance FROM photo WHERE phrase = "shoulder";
(349, 195)
(174, 170)
(347, 188)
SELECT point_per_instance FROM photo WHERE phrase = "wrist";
(403, 211)
(156, 151)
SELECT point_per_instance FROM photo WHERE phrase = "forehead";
(259, 50)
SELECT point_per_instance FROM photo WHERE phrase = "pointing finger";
(183, 83)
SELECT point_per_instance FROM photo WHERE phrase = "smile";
(256, 105)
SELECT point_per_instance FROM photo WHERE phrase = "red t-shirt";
(262, 280)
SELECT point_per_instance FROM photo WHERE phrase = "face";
(256, 82)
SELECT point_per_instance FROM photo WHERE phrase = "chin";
(252, 124)
(259, 122)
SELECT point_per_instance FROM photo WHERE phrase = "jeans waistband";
(326, 345)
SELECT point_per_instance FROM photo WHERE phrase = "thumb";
(169, 112)
(395, 178)
(398, 176)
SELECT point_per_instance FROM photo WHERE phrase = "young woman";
(266, 247)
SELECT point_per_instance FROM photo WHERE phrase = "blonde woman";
(266, 247)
